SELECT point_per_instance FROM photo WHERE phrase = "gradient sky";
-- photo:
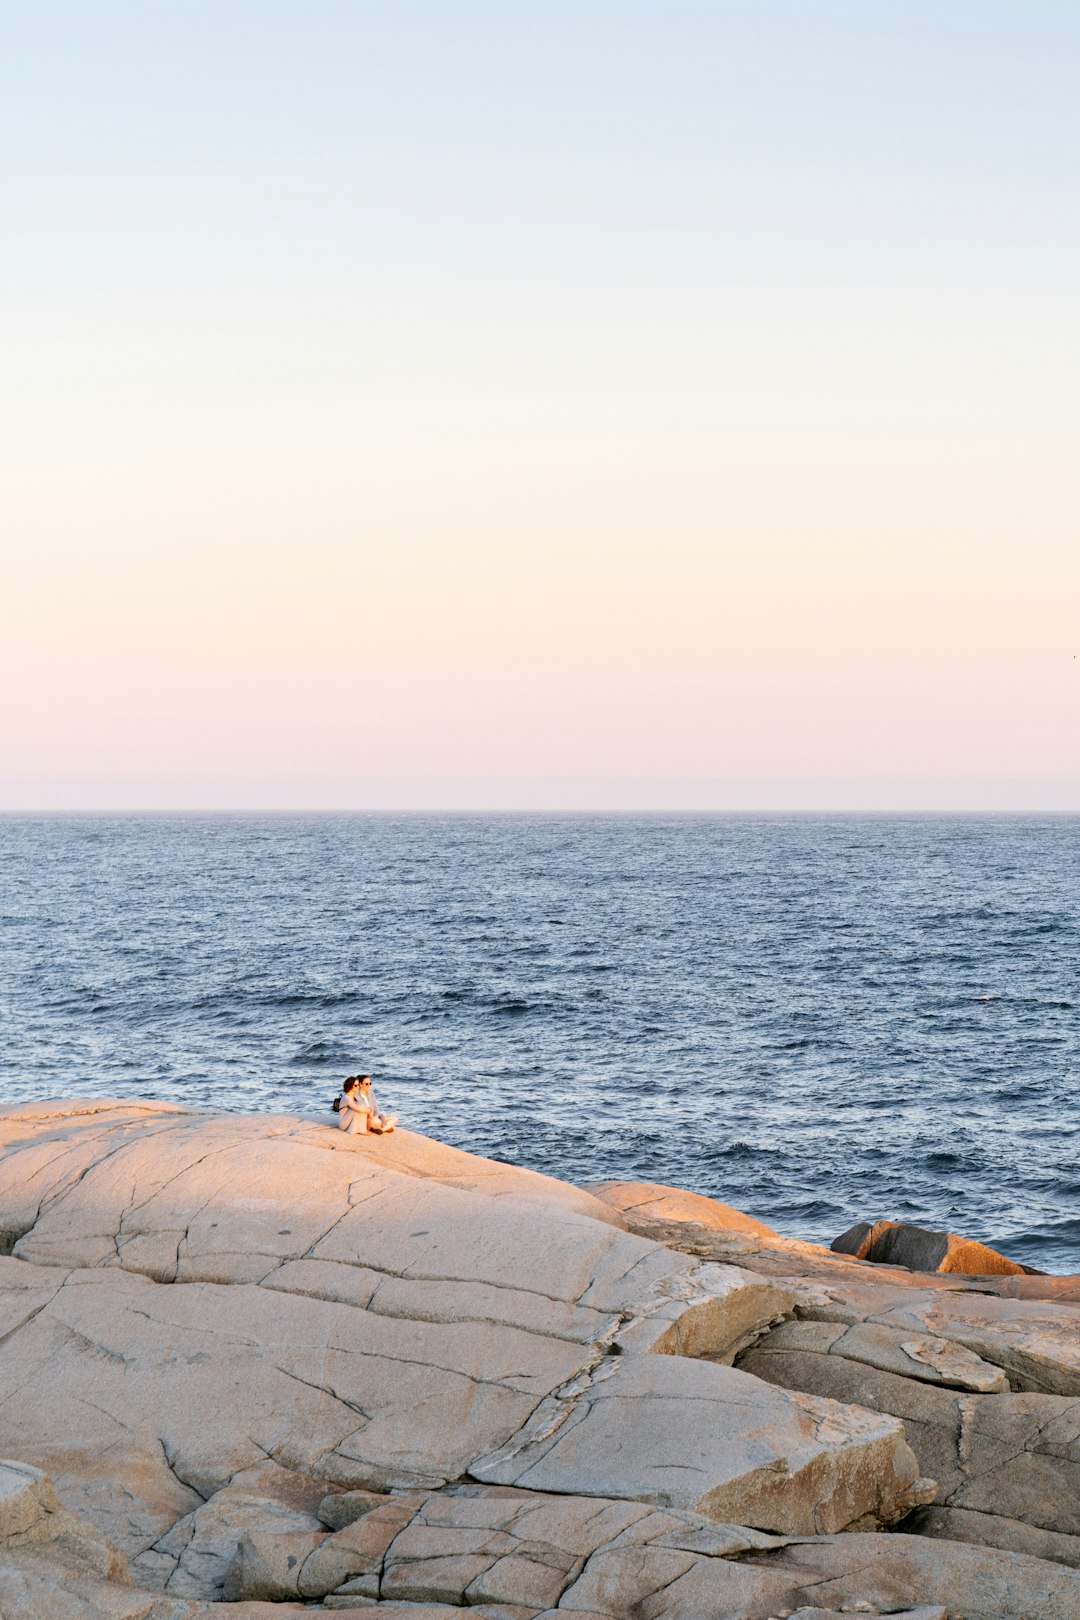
(558, 405)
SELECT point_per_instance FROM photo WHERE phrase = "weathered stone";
(533, 1576)
(345, 1507)
(658, 1583)
(422, 1611)
(36, 1524)
(930, 1415)
(204, 1545)
(689, 1434)
(891, 1349)
(358, 1550)
(25, 1290)
(860, 1298)
(385, 1315)
(27, 1496)
(651, 1200)
(372, 1400)
(1020, 1455)
(1036, 1343)
(488, 1305)
(733, 1309)
(1056, 1290)
(54, 1563)
(932, 1361)
(794, 1263)
(579, 1614)
(267, 1564)
(255, 1610)
(128, 1490)
(625, 1558)
(442, 1578)
(923, 1612)
(995, 1530)
(898, 1572)
(1014, 1455)
(508, 1547)
(431, 1300)
(41, 1584)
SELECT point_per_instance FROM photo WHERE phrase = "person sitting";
(356, 1110)
(381, 1124)
(353, 1110)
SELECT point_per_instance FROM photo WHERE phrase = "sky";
(600, 405)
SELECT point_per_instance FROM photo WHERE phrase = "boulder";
(917, 1248)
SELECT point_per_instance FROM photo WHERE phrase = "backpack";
(336, 1105)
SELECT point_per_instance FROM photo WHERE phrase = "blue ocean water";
(817, 1019)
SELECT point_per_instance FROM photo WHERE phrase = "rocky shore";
(257, 1368)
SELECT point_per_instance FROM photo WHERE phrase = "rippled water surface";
(817, 1020)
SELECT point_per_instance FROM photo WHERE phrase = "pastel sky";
(600, 405)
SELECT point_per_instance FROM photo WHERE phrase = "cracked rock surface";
(251, 1366)
(983, 1371)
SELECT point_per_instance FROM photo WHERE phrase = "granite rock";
(302, 1368)
(382, 1313)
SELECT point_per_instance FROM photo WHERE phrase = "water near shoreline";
(815, 1019)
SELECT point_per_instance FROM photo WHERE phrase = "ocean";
(816, 1019)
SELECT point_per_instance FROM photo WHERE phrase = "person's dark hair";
(353, 1081)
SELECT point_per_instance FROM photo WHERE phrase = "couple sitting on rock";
(356, 1109)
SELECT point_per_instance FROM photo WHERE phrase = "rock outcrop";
(261, 1363)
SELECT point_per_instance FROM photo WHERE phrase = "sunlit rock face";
(261, 1361)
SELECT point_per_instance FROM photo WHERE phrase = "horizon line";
(527, 810)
